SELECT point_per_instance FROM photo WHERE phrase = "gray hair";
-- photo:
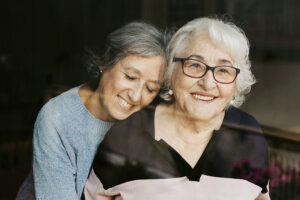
(223, 34)
(135, 38)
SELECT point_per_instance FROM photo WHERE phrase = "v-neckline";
(183, 167)
(174, 151)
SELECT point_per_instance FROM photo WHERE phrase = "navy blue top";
(130, 152)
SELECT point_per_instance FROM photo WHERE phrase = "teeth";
(205, 98)
(124, 103)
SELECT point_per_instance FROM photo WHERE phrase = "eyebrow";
(222, 60)
(133, 69)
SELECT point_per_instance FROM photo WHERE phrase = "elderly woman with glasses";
(198, 145)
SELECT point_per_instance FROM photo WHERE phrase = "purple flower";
(286, 178)
(274, 182)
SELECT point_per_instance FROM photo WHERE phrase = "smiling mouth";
(124, 104)
(203, 98)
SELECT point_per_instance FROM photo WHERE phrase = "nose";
(207, 81)
(135, 93)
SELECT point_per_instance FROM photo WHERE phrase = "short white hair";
(225, 35)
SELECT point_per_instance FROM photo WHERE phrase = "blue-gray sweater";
(66, 137)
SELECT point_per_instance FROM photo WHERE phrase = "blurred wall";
(275, 98)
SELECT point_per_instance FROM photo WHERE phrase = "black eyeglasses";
(196, 69)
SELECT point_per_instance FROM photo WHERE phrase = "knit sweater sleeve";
(53, 166)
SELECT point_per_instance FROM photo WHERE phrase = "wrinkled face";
(202, 98)
(129, 86)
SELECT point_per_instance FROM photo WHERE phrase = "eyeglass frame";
(182, 60)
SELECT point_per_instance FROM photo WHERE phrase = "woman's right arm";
(54, 174)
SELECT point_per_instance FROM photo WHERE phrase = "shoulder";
(242, 134)
(244, 130)
(237, 116)
(137, 119)
(55, 113)
(146, 114)
(134, 126)
(56, 106)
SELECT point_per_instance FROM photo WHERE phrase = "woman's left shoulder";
(247, 130)
(238, 116)
(247, 137)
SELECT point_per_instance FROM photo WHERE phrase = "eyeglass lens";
(197, 69)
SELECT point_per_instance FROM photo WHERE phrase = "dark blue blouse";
(130, 152)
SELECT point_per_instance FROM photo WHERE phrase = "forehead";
(203, 46)
(149, 67)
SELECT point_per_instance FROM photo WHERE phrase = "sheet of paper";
(208, 188)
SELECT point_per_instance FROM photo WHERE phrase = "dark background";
(42, 44)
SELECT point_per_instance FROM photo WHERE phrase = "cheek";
(119, 83)
(228, 92)
(110, 79)
(183, 85)
(148, 98)
(179, 81)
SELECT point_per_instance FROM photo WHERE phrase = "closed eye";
(132, 78)
(149, 89)
(152, 89)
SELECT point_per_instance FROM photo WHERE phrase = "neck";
(92, 101)
(191, 129)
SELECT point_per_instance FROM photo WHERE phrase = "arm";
(54, 174)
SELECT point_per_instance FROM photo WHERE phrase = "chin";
(121, 115)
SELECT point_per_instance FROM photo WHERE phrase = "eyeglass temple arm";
(175, 59)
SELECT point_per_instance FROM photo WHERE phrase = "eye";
(132, 78)
(223, 70)
(195, 65)
(151, 88)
